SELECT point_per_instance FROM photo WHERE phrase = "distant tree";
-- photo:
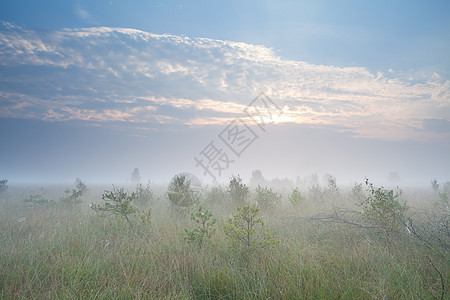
(394, 178)
(3, 185)
(80, 185)
(257, 179)
(238, 190)
(435, 185)
(332, 189)
(135, 177)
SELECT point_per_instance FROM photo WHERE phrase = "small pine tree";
(246, 231)
(205, 227)
(117, 202)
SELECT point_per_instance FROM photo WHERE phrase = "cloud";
(83, 14)
(105, 74)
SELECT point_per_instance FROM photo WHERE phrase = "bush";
(237, 190)
(316, 193)
(384, 209)
(37, 199)
(296, 197)
(143, 195)
(205, 227)
(357, 192)
(73, 195)
(266, 197)
(180, 192)
(216, 196)
(246, 231)
(80, 186)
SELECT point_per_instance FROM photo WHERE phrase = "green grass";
(72, 253)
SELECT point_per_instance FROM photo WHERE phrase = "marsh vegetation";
(225, 242)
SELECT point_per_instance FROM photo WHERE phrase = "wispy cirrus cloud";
(106, 74)
(84, 14)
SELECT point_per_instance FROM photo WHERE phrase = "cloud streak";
(104, 74)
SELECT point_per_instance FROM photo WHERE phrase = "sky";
(94, 89)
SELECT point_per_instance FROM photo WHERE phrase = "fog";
(100, 155)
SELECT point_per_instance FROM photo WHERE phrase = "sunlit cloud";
(104, 74)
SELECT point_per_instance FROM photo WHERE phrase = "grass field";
(62, 251)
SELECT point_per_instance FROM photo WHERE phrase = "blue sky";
(93, 89)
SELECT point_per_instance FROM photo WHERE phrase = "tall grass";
(72, 253)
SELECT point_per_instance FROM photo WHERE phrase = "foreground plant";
(384, 209)
(246, 230)
(205, 227)
(118, 202)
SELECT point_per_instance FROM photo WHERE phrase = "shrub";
(296, 197)
(73, 195)
(117, 202)
(266, 197)
(332, 189)
(357, 192)
(316, 193)
(37, 199)
(216, 196)
(205, 227)
(246, 231)
(435, 185)
(237, 190)
(384, 209)
(180, 192)
(143, 195)
(80, 186)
